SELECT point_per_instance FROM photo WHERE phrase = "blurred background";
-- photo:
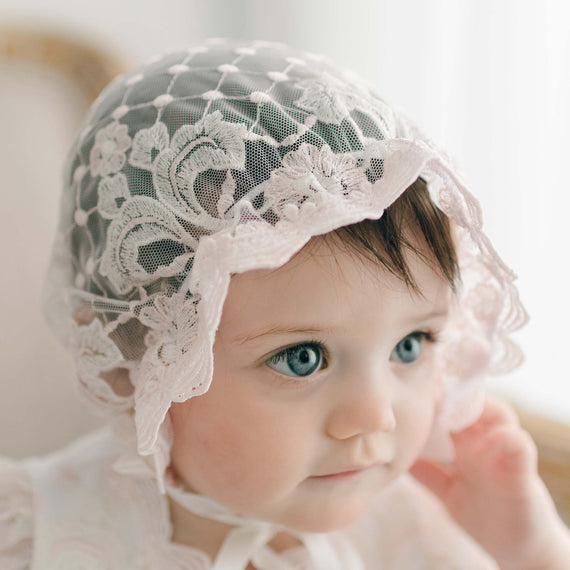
(488, 80)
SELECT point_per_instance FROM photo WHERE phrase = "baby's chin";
(325, 518)
(328, 524)
(314, 507)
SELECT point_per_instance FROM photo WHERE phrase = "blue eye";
(409, 348)
(300, 360)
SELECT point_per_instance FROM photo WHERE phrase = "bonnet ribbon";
(247, 542)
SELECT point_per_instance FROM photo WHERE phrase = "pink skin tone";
(260, 442)
(311, 452)
(493, 490)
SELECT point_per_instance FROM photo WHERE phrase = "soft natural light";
(488, 80)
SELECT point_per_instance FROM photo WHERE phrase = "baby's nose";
(365, 409)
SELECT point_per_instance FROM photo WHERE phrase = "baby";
(278, 291)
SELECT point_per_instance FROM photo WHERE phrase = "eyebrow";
(277, 330)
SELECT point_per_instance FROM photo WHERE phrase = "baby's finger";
(498, 411)
(513, 450)
(501, 456)
(495, 412)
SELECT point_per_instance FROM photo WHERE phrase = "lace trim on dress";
(16, 516)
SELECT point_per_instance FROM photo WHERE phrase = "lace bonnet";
(224, 158)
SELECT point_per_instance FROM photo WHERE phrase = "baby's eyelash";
(431, 335)
(284, 354)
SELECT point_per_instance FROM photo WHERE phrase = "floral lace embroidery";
(211, 143)
(172, 326)
(95, 353)
(148, 143)
(96, 350)
(308, 172)
(108, 152)
(113, 191)
(144, 222)
(329, 99)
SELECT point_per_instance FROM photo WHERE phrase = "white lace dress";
(73, 510)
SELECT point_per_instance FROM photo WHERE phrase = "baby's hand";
(494, 492)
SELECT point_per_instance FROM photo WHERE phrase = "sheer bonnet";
(223, 158)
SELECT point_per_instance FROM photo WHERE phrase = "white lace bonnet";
(229, 157)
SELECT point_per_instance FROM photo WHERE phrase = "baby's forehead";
(328, 286)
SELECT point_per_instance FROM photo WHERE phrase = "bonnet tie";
(247, 542)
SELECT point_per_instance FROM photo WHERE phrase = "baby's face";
(323, 391)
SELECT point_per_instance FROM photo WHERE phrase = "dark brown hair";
(385, 240)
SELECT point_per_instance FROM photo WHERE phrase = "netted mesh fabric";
(228, 157)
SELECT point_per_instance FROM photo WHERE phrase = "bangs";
(385, 240)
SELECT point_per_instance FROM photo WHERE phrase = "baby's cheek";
(245, 464)
(415, 423)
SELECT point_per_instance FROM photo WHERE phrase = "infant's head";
(257, 172)
(325, 378)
